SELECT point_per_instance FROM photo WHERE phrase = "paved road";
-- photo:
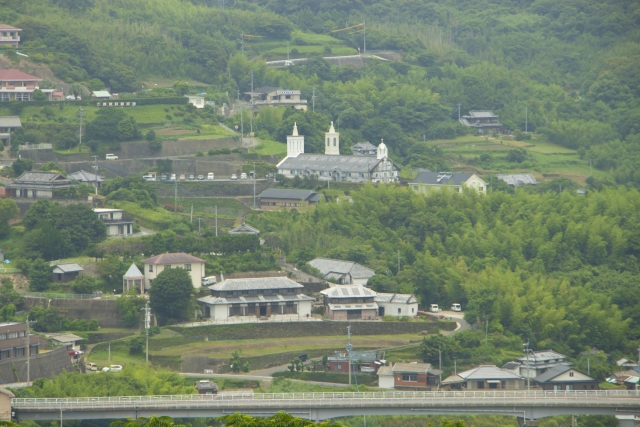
(262, 377)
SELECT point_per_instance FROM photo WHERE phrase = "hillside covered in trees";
(573, 66)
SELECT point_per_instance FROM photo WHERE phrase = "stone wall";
(102, 310)
(43, 365)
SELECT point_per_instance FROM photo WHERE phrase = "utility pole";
(191, 213)
(459, 111)
(109, 352)
(242, 43)
(486, 333)
(147, 319)
(528, 367)
(198, 230)
(216, 220)
(313, 99)
(526, 119)
(590, 167)
(287, 50)
(398, 260)
(241, 128)
(254, 186)
(95, 158)
(251, 112)
(28, 354)
(440, 357)
(349, 347)
(364, 33)
(81, 114)
(175, 198)
(455, 366)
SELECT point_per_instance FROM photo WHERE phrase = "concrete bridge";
(527, 406)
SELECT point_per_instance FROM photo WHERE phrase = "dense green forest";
(557, 268)
(570, 67)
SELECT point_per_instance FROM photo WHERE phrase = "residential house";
(133, 279)
(100, 94)
(629, 379)
(18, 86)
(539, 362)
(253, 298)
(196, 100)
(8, 124)
(38, 185)
(9, 36)
(13, 341)
(364, 149)
(411, 377)
(363, 361)
(66, 272)
(516, 179)
(426, 182)
(276, 97)
(157, 264)
(485, 377)
(116, 222)
(564, 377)
(342, 272)
(350, 302)
(70, 341)
(244, 229)
(276, 199)
(385, 377)
(484, 121)
(332, 166)
(87, 178)
(206, 387)
(396, 305)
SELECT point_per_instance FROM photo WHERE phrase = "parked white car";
(234, 176)
(434, 308)
(115, 368)
(456, 307)
(111, 157)
(243, 175)
(105, 369)
(210, 176)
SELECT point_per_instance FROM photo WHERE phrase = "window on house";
(409, 377)
(3, 336)
(480, 384)
(167, 267)
(13, 335)
(187, 267)
(481, 188)
(19, 352)
(338, 367)
(150, 268)
(399, 310)
(571, 374)
(5, 354)
(22, 333)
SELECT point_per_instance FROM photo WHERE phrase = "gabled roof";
(17, 75)
(10, 122)
(558, 370)
(64, 338)
(172, 258)
(278, 193)
(481, 114)
(133, 272)
(67, 268)
(518, 179)
(256, 299)
(348, 291)
(101, 94)
(257, 283)
(83, 176)
(418, 368)
(8, 27)
(442, 178)
(395, 298)
(327, 162)
(543, 356)
(244, 229)
(481, 373)
(329, 266)
(40, 177)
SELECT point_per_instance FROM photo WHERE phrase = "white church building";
(331, 166)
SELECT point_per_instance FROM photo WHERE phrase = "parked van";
(234, 176)
(208, 281)
(434, 308)
(111, 157)
(210, 176)
(456, 307)
(149, 177)
(173, 177)
(243, 175)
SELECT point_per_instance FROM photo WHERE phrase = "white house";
(396, 304)
(385, 377)
(427, 181)
(196, 100)
(117, 224)
(343, 272)
(254, 298)
(331, 166)
(157, 264)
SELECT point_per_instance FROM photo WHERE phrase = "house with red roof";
(157, 264)
(9, 36)
(18, 86)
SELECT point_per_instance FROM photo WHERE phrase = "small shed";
(244, 229)
(66, 272)
(101, 94)
(70, 341)
(206, 387)
(133, 278)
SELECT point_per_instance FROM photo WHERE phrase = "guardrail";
(51, 295)
(448, 398)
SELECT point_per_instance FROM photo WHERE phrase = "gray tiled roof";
(258, 283)
(328, 266)
(213, 300)
(419, 368)
(549, 375)
(206, 385)
(488, 372)
(279, 193)
(173, 258)
(442, 178)
(133, 272)
(244, 229)
(40, 177)
(10, 122)
(395, 298)
(327, 162)
(346, 291)
(83, 176)
(364, 149)
(67, 268)
(518, 179)
(481, 114)
(543, 356)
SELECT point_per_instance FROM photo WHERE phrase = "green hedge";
(329, 377)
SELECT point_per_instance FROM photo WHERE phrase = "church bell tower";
(332, 142)
(295, 143)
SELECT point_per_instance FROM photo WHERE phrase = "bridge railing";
(479, 397)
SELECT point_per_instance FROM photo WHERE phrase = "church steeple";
(382, 151)
(332, 142)
(295, 143)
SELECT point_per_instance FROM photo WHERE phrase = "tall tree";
(170, 295)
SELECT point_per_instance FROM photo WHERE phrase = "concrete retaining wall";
(174, 147)
(104, 311)
(43, 365)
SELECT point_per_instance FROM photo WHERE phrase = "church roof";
(326, 162)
